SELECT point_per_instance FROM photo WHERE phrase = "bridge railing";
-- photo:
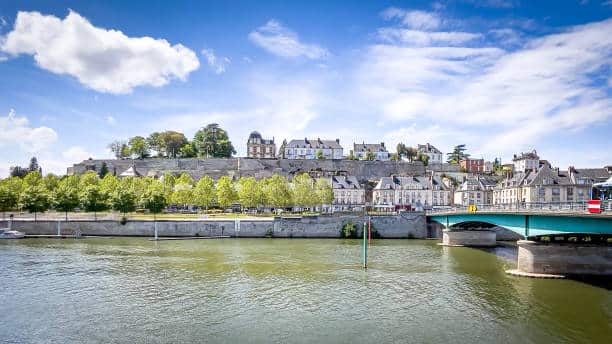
(536, 207)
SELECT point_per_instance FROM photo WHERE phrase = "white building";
(475, 190)
(308, 149)
(348, 193)
(434, 154)
(529, 161)
(410, 193)
(361, 150)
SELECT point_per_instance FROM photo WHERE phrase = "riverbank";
(406, 225)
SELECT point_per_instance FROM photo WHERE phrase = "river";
(132, 290)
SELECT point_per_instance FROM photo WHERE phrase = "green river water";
(132, 290)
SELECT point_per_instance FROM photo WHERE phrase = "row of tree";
(89, 192)
(211, 142)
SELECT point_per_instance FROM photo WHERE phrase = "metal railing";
(535, 207)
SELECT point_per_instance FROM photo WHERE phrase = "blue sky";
(501, 76)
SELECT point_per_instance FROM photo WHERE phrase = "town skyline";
(501, 77)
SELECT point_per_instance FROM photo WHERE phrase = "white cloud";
(607, 3)
(419, 20)
(104, 60)
(218, 64)
(423, 38)
(494, 3)
(3, 22)
(111, 120)
(279, 40)
(76, 154)
(16, 133)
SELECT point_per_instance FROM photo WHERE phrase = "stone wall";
(564, 259)
(410, 225)
(236, 167)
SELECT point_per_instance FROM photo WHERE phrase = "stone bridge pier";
(475, 238)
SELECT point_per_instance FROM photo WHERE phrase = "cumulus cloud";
(419, 20)
(16, 132)
(279, 40)
(218, 64)
(424, 38)
(103, 60)
(76, 154)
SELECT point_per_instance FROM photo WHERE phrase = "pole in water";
(369, 229)
(365, 248)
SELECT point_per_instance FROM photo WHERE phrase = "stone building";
(434, 154)
(414, 193)
(548, 185)
(260, 148)
(475, 190)
(529, 161)
(348, 193)
(308, 149)
(360, 150)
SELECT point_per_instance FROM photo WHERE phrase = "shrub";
(348, 230)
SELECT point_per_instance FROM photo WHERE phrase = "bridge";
(563, 239)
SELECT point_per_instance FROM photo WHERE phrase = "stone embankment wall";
(236, 167)
(410, 225)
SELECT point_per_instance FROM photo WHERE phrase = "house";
(379, 151)
(529, 161)
(258, 147)
(410, 193)
(309, 149)
(475, 190)
(434, 154)
(472, 165)
(348, 193)
(548, 185)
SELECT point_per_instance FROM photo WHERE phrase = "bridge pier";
(476, 238)
(557, 260)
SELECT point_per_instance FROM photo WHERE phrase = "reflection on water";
(277, 290)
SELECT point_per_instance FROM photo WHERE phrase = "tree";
(324, 191)
(204, 192)
(226, 193)
(154, 199)
(35, 199)
(117, 147)
(51, 181)
(109, 184)
(103, 170)
(457, 154)
(9, 196)
(351, 155)
(188, 150)
(34, 165)
(32, 178)
(88, 178)
(94, 198)
(172, 142)
(182, 193)
(394, 157)
(138, 147)
(497, 165)
(281, 150)
(320, 155)
(213, 141)
(65, 197)
(370, 156)
(123, 200)
(278, 192)
(168, 181)
(424, 158)
(303, 191)
(249, 194)
(155, 142)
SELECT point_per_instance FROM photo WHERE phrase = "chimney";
(338, 141)
(382, 144)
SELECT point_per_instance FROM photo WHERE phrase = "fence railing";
(536, 207)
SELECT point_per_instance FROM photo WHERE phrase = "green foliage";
(172, 142)
(278, 192)
(32, 179)
(457, 154)
(108, 184)
(370, 156)
(213, 142)
(204, 193)
(153, 198)
(249, 192)
(226, 193)
(35, 199)
(351, 155)
(103, 170)
(120, 149)
(424, 158)
(155, 142)
(87, 178)
(94, 198)
(324, 191)
(9, 194)
(182, 194)
(65, 197)
(188, 150)
(320, 155)
(138, 147)
(409, 152)
(123, 200)
(303, 191)
(348, 230)
(50, 181)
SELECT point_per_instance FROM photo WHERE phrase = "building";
(488, 167)
(434, 154)
(413, 193)
(548, 185)
(529, 161)
(308, 149)
(361, 150)
(475, 190)
(348, 193)
(260, 148)
(472, 165)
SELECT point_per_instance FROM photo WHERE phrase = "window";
(556, 195)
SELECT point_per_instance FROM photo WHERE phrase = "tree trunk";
(34, 216)
(95, 217)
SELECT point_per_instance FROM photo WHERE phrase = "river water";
(131, 290)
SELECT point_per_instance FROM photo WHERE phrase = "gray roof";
(345, 182)
(546, 175)
(317, 144)
(481, 183)
(369, 147)
(593, 174)
(533, 155)
(428, 148)
(398, 183)
(255, 135)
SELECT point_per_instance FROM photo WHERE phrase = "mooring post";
(365, 248)
(369, 229)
